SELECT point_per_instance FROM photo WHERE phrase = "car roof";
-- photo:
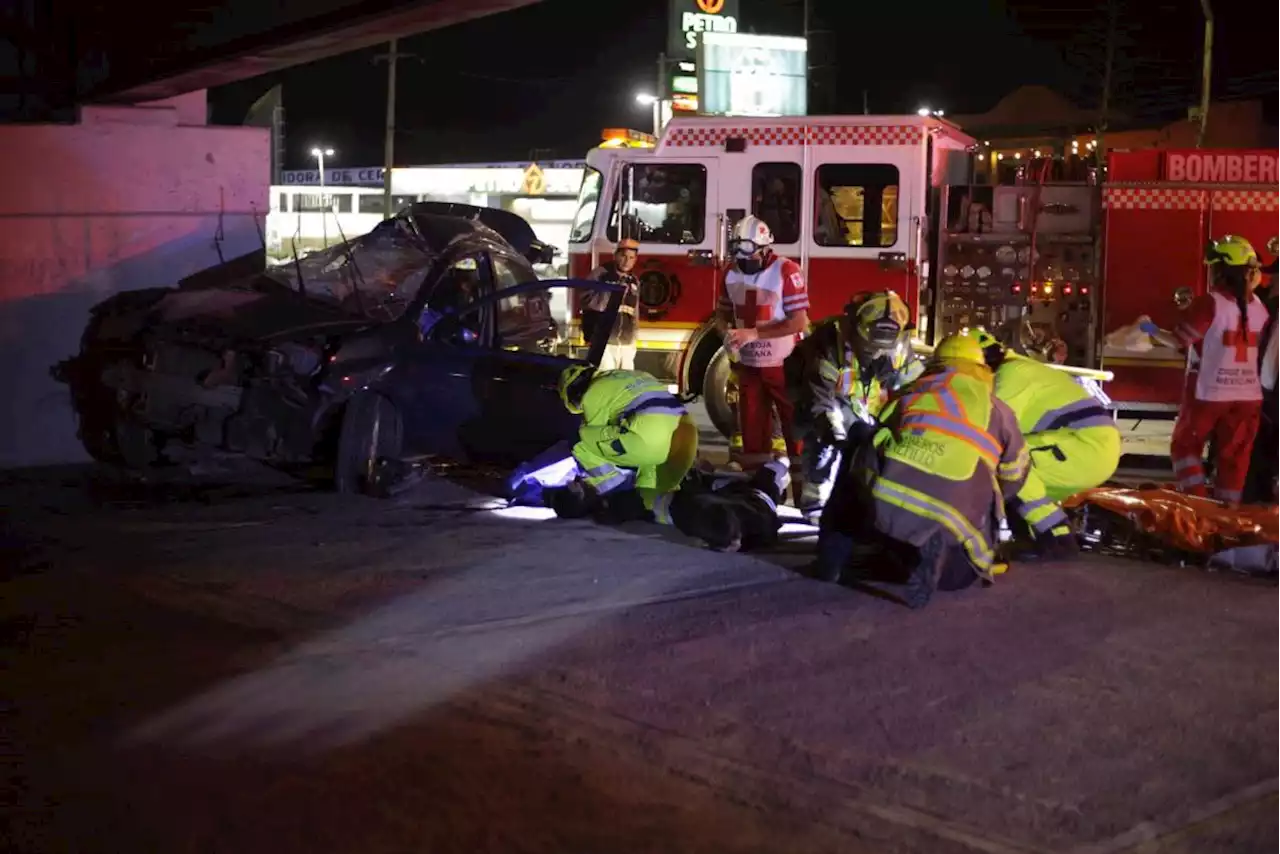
(442, 233)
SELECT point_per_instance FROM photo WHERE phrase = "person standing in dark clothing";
(1260, 486)
(620, 353)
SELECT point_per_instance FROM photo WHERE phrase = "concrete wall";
(130, 197)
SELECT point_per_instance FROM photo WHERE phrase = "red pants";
(760, 392)
(1233, 424)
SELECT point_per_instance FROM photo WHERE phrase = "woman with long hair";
(1222, 398)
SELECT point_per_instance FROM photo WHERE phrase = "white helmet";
(750, 235)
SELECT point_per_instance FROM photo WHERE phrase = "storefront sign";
(1220, 167)
(367, 177)
(684, 85)
(515, 180)
(688, 19)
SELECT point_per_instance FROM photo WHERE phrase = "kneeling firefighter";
(635, 450)
(934, 478)
(844, 373)
(1071, 436)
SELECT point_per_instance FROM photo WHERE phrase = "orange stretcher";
(1185, 521)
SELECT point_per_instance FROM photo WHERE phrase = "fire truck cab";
(848, 197)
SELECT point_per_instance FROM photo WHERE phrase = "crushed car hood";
(239, 313)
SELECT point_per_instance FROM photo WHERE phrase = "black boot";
(756, 512)
(1058, 544)
(707, 517)
(621, 505)
(575, 501)
(924, 576)
(835, 550)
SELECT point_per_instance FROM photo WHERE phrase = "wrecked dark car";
(430, 335)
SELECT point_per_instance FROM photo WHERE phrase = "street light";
(644, 99)
(320, 154)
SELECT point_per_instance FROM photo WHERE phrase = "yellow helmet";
(880, 324)
(984, 338)
(573, 384)
(1231, 251)
(959, 348)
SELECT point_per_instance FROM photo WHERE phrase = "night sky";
(546, 79)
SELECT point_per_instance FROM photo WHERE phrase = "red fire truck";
(872, 202)
(847, 197)
(1161, 207)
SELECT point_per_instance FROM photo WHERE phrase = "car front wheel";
(371, 431)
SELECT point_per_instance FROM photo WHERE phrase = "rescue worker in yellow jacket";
(843, 372)
(635, 436)
(1071, 436)
(635, 449)
(946, 459)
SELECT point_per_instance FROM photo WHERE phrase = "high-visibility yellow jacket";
(1046, 399)
(950, 455)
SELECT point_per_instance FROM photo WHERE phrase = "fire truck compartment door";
(863, 204)
(1151, 254)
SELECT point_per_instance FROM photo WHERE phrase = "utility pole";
(821, 95)
(1206, 72)
(660, 94)
(392, 57)
(1112, 15)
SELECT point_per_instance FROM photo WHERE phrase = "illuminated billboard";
(748, 75)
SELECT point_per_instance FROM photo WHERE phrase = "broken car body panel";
(438, 313)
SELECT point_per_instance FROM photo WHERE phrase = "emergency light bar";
(626, 138)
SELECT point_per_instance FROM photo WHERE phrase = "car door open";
(514, 373)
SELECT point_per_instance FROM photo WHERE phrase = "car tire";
(136, 445)
(371, 431)
(715, 393)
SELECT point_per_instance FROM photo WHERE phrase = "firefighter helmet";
(750, 235)
(880, 326)
(992, 350)
(959, 348)
(984, 338)
(628, 243)
(1231, 251)
(573, 385)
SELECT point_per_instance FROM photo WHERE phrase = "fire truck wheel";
(715, 392)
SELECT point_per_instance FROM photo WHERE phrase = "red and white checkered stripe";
(1261, 201)
(795, 135)
(1152, 199)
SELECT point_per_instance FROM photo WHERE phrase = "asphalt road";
(277, 671)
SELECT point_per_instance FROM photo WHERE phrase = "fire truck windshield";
(588, 200)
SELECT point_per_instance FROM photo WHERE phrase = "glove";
(1149, 327)
(831, 429)
(737, 337)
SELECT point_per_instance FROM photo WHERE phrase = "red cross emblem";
(749, 309)
(1242, 343)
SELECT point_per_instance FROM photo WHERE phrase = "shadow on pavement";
(297, 672)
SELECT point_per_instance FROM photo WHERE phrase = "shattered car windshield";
(380, 271)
